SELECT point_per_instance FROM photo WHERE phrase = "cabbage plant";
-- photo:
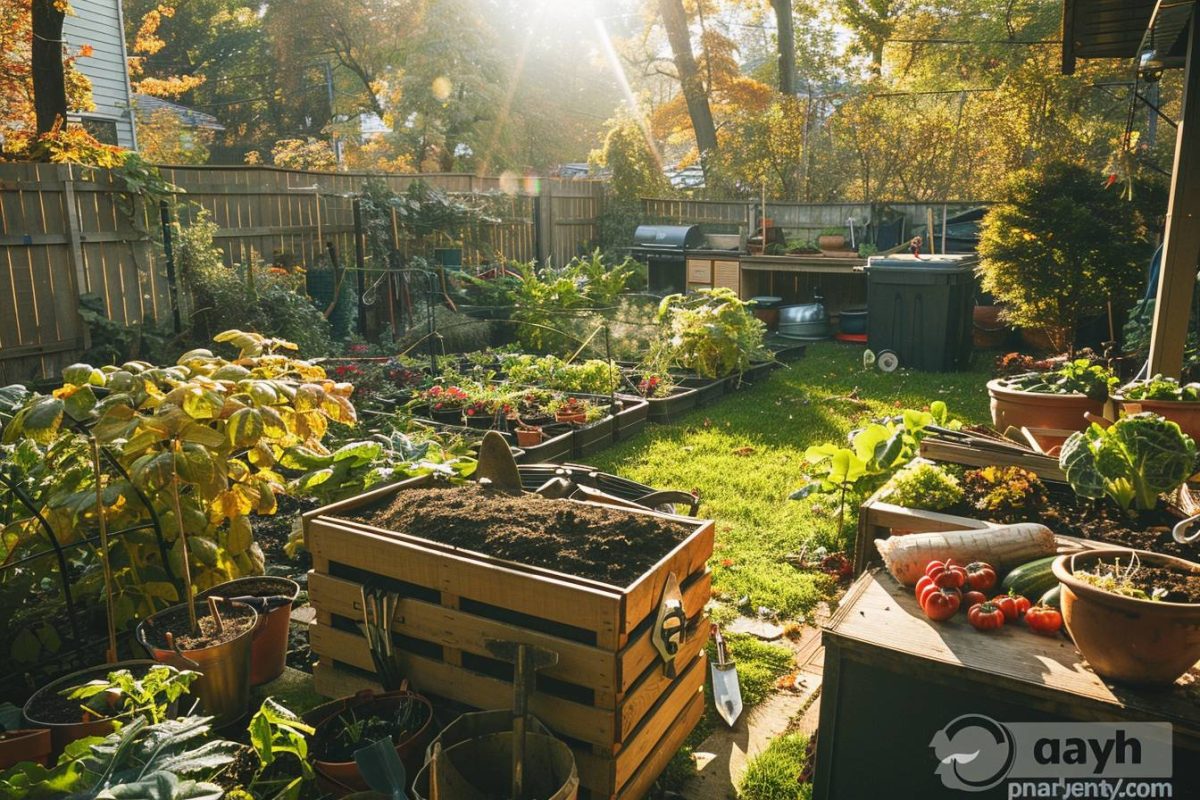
(1132, 461)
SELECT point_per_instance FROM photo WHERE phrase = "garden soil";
(591, 542)
(236, 621)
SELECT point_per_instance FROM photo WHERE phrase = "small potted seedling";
(351, 723)
(571, 410)
(528, 435)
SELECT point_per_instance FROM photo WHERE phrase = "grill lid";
(668, 237)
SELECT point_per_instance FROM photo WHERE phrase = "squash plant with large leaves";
(216, 427)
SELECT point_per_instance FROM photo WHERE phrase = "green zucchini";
(1052, 598)
(1031, 580)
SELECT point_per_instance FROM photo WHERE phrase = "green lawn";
(745, 454)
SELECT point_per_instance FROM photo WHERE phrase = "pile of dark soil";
(235, 621)
(1180, 587)
(1099, 521)
(591, 542)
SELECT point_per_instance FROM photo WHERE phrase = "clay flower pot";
(343, 775)
(1184, 414)
(64, 731)
(831, 241)
(1123, 638)
(26, 744)
(270, 646)
(1013, 408)
(529, 437)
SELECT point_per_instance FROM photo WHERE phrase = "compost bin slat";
(645, 775)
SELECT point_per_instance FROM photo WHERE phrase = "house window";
(105, 130)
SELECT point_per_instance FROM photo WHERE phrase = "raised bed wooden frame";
(609, 696)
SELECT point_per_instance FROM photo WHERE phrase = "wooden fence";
(67, 231)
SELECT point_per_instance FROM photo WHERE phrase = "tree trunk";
(694, 92)
(49, 83)
(787, 45)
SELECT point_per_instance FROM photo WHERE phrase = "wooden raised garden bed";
(610, 697)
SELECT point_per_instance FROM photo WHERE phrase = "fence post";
(543, 223)
(164, 211)
(76, 242)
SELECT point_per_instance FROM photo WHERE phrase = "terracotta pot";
(224, 685)
(343, 775)
(829, 241)
(1185, 415)
(25, 744)
(988, 332)
(268, 651)
(528, 438)
(1017, 409)
(63, 733)
(576, 419)
(1125, 639)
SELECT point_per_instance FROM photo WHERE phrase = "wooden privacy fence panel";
(66, 231)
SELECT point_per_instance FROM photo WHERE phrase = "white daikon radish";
(1003, 547)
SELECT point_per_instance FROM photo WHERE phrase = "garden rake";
(379, 611)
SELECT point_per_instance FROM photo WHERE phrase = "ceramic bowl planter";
(1124, 638)
(48, 709)
(224, 686)
(831, 241)
(27, 744)
(1014, 408)
(1185, 414)
(270, 646)
(328, 753)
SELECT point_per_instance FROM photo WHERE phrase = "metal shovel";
(382, 769)
(727, 692)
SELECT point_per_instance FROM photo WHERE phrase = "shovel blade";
(727, 692)
(382, 769)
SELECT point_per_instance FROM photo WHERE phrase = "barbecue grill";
(664, 249)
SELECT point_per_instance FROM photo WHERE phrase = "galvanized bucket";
(476, 758)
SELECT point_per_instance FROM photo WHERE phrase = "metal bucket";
(477, 757)
(224, 685)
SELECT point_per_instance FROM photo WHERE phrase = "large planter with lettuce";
(1166, 397)
(1058, 400)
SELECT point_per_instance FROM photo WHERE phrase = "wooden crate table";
(893, 679)
(609, 696)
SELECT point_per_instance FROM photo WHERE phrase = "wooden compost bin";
(609, 697)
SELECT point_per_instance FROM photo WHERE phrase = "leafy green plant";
(1131, 462)
(208, 429)
(866, 250)
(585, 377)
(712, 332)
(125, 696)
(1005, 494)
(338, 738)
(1162, 388)
(1039, 255)
(923, 485)
(279, 740)
(171, 760)
(1078, 376)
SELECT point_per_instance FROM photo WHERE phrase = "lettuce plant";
(1162, 388)
(1131, 462)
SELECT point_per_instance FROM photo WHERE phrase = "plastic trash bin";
(921, 309)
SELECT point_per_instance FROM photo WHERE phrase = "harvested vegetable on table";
(946, 574)
(1003, 546)
(940, 604)
(981, 576)
(985, 617)
(1044, 620)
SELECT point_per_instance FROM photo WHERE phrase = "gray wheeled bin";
(921, 309)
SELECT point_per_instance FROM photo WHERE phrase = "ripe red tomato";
(1045, 620)
(923, 583)
(980, 576)
(1007, 603)
(947, 574)
(973, 598)
(985, 617)
(1022, 603)
(941, 603)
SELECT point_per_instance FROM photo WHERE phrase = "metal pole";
(164, 212)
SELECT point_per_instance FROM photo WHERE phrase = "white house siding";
(98, 23)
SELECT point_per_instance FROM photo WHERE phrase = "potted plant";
(832, 239)
(91, 701)
(446, 403)
(528, 435)
(1134, 615)
(351, 723)
(1038, 253)
(1054, 400)
(1166, 397)
(24, 744)
(571, 410)
(270, 644)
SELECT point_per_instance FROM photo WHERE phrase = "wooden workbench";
(841, 281)
(893, 679)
